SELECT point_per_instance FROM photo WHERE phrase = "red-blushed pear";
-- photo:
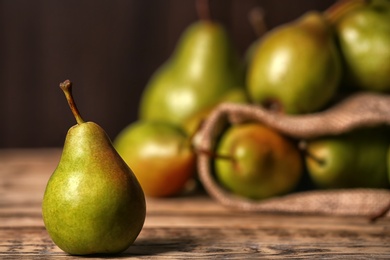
(93, 203)
(160, 154)
(257, 162)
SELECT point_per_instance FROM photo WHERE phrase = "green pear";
(256, 162)
(93, 203)
(363, 33)
(203, 68)
(295, 67)
(350, 160)
(160, 154)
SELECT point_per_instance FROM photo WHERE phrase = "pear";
(160, 154)
(363, 33)
(354, 159)
(256, 162)
(202, 69)
(295, 68)
(93, 203)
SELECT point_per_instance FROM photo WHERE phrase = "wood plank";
(172, 234)
(192, 226)
(210, 242)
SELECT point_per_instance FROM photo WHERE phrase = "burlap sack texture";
(359, 110)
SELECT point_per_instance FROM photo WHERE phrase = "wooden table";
(185, 227)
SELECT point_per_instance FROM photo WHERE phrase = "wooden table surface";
(185, 227)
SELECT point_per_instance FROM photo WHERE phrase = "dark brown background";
(109, 49)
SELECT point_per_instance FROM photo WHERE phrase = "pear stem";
(257, 21)
(273, 105)
(303, 147)
(66, 87)
(203, 9)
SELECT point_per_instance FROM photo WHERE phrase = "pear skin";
(363, 33)
(202, 69)
(160, 155)
(295, 68)
(257, 162)
(93, 203)
(330, 161)
(353, 160)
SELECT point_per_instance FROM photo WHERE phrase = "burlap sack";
(359, 110)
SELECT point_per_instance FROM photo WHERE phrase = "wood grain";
(187, 227)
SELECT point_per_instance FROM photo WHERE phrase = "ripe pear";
(93, 203)
(363, 32)
(160, 155)
(350, 160)
(295, 67)
(203, 68)
(256, 162)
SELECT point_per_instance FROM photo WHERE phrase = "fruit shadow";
(151, 247)
(157, 246)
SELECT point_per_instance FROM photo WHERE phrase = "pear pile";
(204, 71)
(304, 66)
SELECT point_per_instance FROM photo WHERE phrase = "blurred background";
(108, 49)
